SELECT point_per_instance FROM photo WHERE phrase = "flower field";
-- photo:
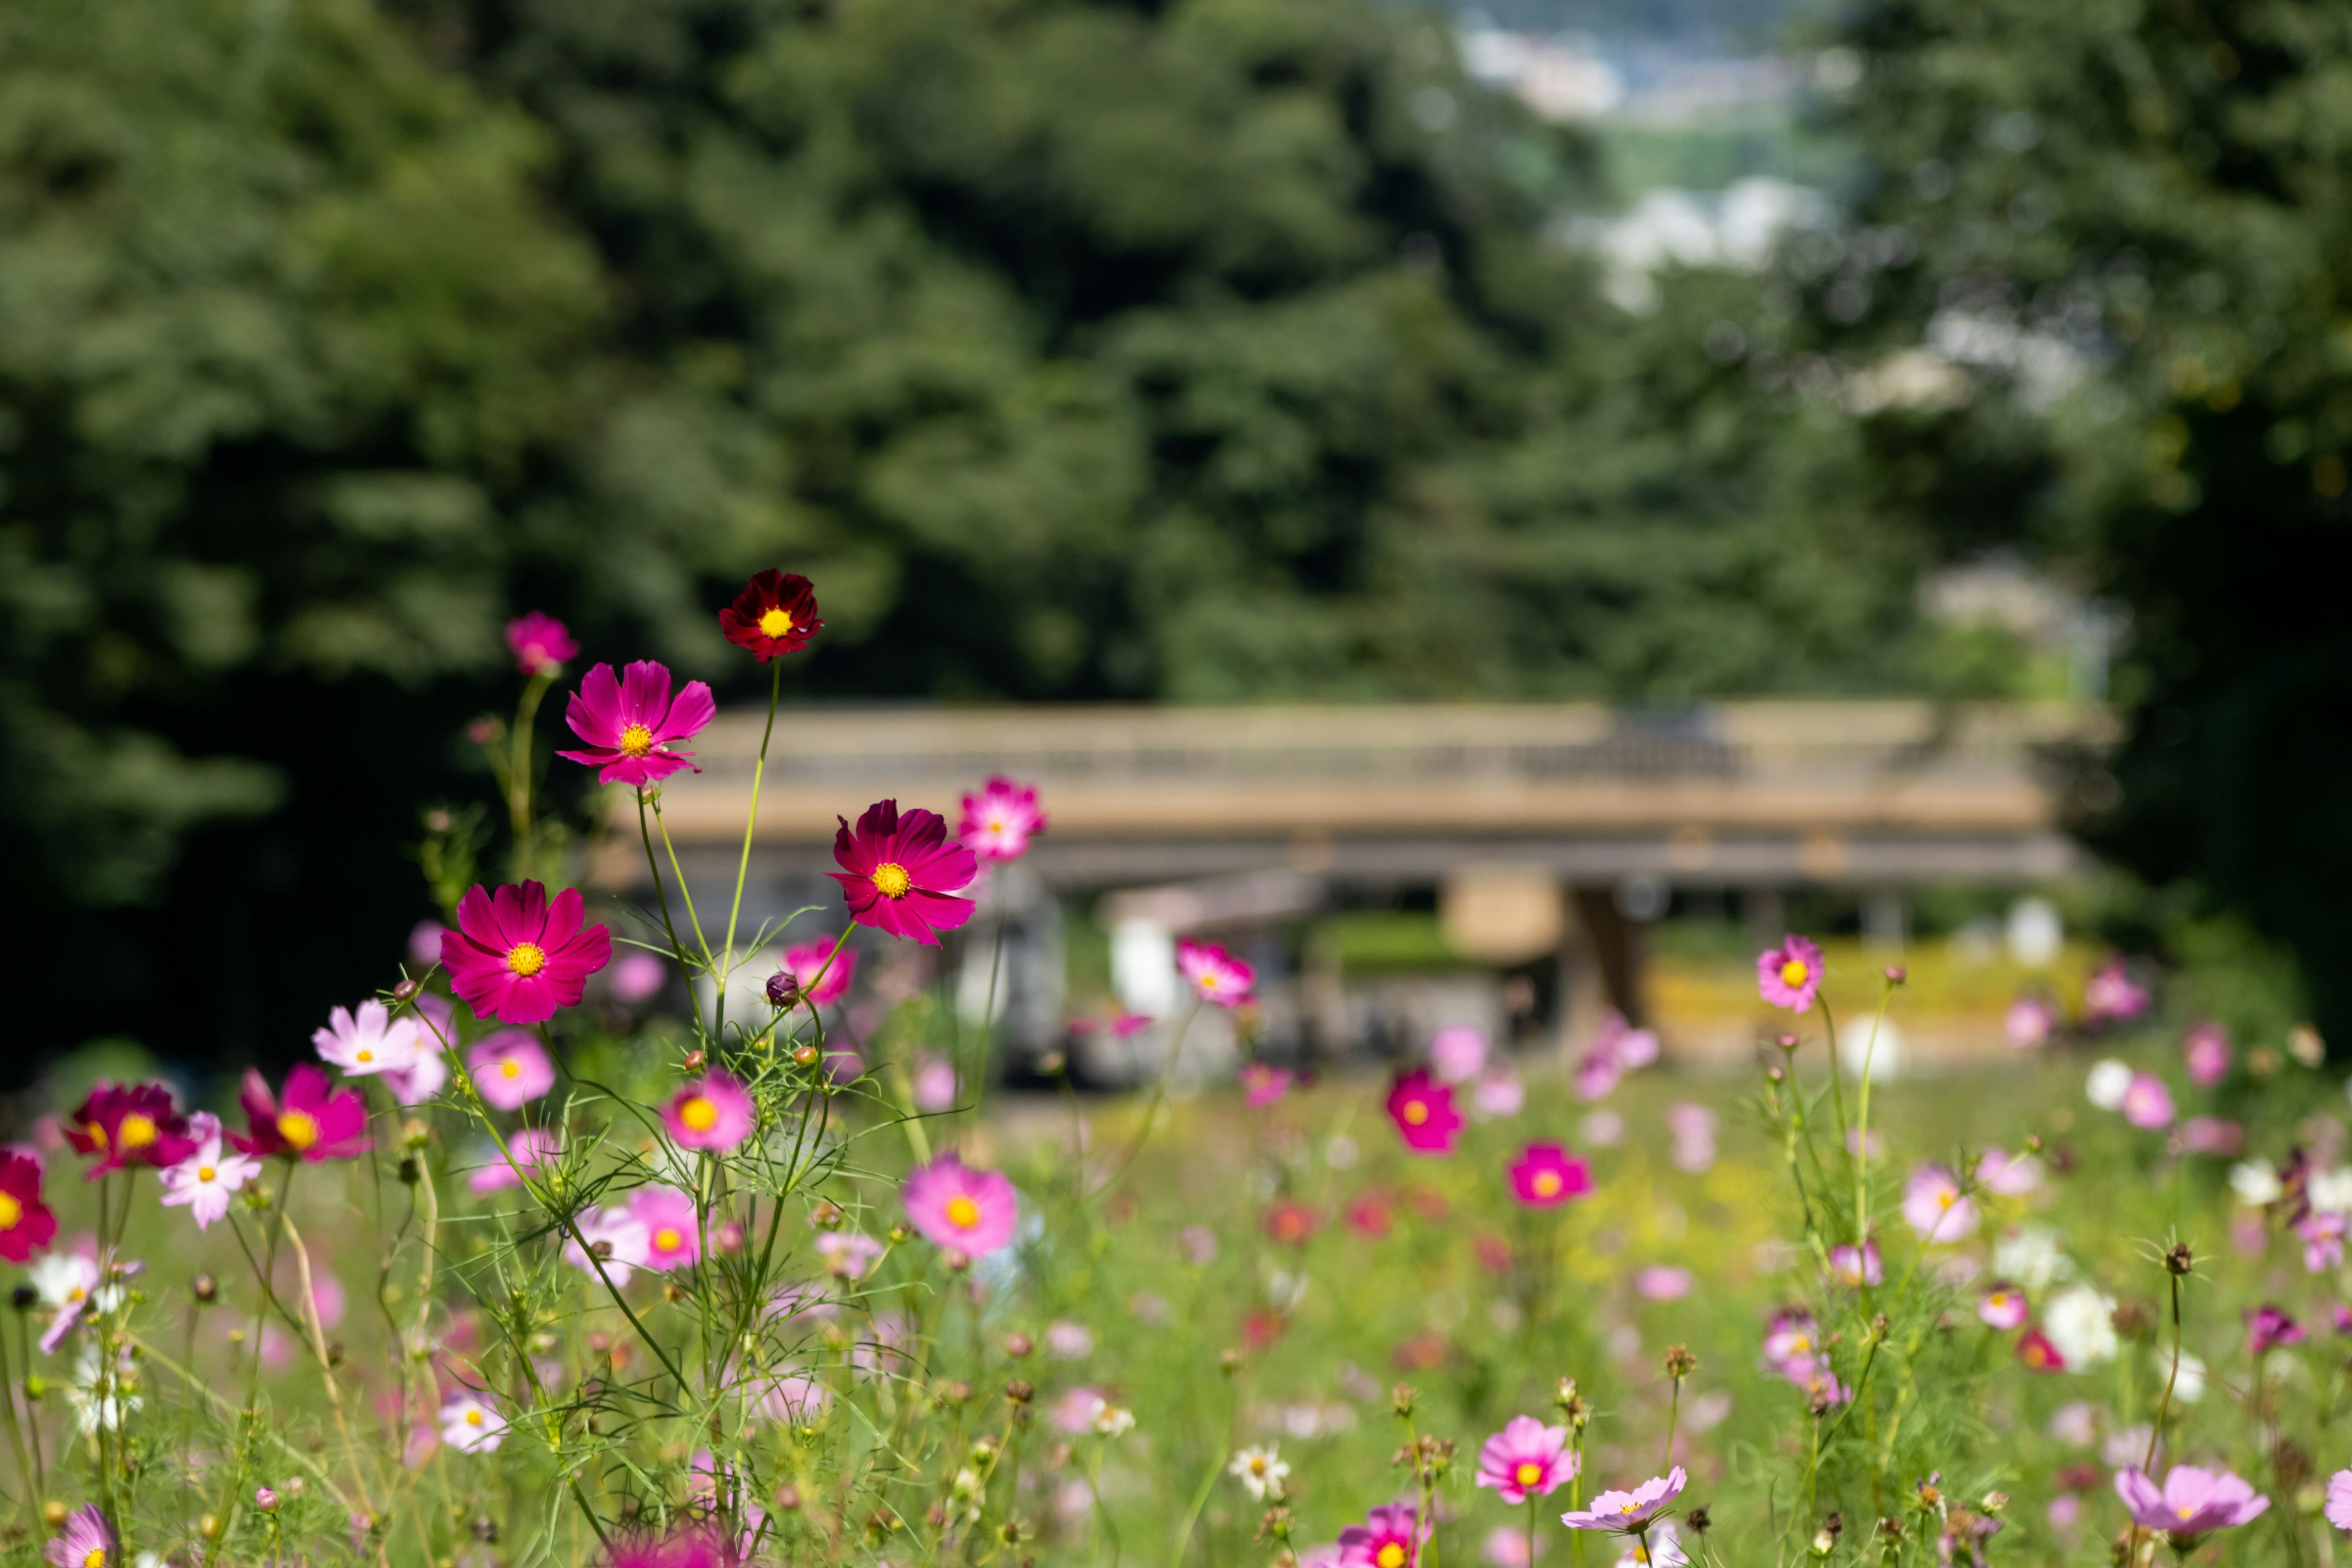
(548, 1259)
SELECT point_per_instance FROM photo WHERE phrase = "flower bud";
(1700, 1520)
(208, 1526)
(1017, 1344)
(1897, 974)
(411, 1173)
(264, 1500)
(804, 1055)
(694, 1061)
(788, 1498)
(405, 990)
(55, 1514)
(1229, 1362)
(1021, 1390)
(1823, 1543)
(24, 1298)
(784, 990)
(1402, 1397)
(728, 1238)
(204, 1289)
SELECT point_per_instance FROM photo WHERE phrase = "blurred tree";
(2130, 222)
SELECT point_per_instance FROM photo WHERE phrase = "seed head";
(2179, 1260)
(1021, 1390)
(1680, 1363)
(1401, 1398)
(1700, 1520)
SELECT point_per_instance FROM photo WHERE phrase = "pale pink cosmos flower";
(1457, 1053)
(934, 1084)
(1617, 1050)
(369, 1042)
(2007, 1176)
(2340, 1499)
(469, 1424)
(510, 1069)
(616, 1243)
(2206, 1051)
(1069, 1340)
(2322, 1241)
(2147, 1103)
(1496, 1094)
(1658, 1282)
(1790, 976)
(1076, 1411)
(999, 822)
(1693, 1126)
(2031, 1023)
(533, 1149)
(1632, 1511)
(1596, 1075)
(1524, 1460)
(1665, 1548)
(673, 1239)
(2193, 1503)
(795, 1399)
(2213, 1135)
(1936, 1207)
(713, 1113)
(2109, 996)
(2065, 1508)
(2002, 1306)
(2076, 1424)
(422, 1079)
(1215, 975)
(637, 976)
(847, 1254)
(1852, 1267)
(1793, 1344)
(959, 1209)
(1603, 1129)
(207, 1179)
(1506, 1546)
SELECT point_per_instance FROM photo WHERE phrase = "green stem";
(751, 821)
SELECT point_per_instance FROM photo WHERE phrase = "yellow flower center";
(97, 1134)
(1627, 1507)
(1414, 1112)
(667, 1239)
(94, 1558)
(510, 1068)
(699, 1114)
(11, 1211)
(365, 1055)
(776, 622)
(1258, 1464)
(1547, 1184)
(1529, 1473)
(1208, 983)
(891, 879)
(996, 825)
(963, 1212)
(473, 1418)
(526, 958)
(137, 1131)
(637, 740)
(1391, 1556)
(2184, 1512)
(207, 1174)
(1794, 974)
(298, 1128)
(1946, 1200)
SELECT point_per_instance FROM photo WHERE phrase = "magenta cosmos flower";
(1790, 975)
(1390, 1537)
(713, 1112)
(2039, 1353)
(2267, 1328)
(1215, 975)
(900, 874)
(1524, 1460)
(2002, 1306)
(960, 1209)
(2206, 1050)
(26, 1222)
(1632, 1511)
(2110, 997)
(517, 957)
(128, 1124)
(2146, 1103)
(2193, 1502)
(673, 1239)
(776, 613)
(510, 1069)
(1546, 1175)
(310, 1120)
(631, 725)
(1935, 1206)
(999, 822)
(817, 983)
(694, 1547)
(87, 1540)
(1423, 1109)
(540, 644)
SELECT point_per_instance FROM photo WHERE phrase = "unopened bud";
(405, 990)
(804, 1055)
(788, 1498)
(1017, 1344)
(411, 1173)
(694, 1061)
(1823, 1543)
(1994, 1502)
(784, 990)
(1897, 974)
(204, 1289)
(1787, 1042)
(264, 1500)
(1402, 1397)
(1021, 1390)
(55, 1514)
(728, 1238)
(1229, 1362)
(208, 1526)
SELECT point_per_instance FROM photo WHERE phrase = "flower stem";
(751, 821)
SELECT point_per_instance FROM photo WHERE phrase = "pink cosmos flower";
(1633, 1048)
(207, 1179)
(2206, 1050)
(1660, 1283)
(637, 976)
(422, 1079)
(1076, 1411)
(510, 1069)
(1390, 1537)
(820, 986)
(371, 1041)
(1853, 1269)
(1423, 1109)
(2147, 1103)
(2031, 1023)
(631, 726)
(961, 1210)
(1069, 1340)
(1506, 1546)
(2193, 1502)
(695, 1546)
(2340, 1499)
(2007, 1174)
(1215, 975)
(1458, 1052)
(2002, 1306)
(1524, 1460)
(87, 1540)
(2110, 997)
(534, 1149)
(1497, 1094)
(1596, 1075)
(713, 1112)
(847, 1254)
(934, 1084)
(1262, 1084)
(900, 874)
(1632, 1511)
(26, 1222)
(2322, 1241)
(1693, 1126)
(1935, 1206)
(1790, 976)
(617, 1243)
(1546, 1175)
(2039, 1353)
(1792, 1343)
(517, 957)
(128, 1124)
(2213, 1135)
(999, 822)
(795, 1399)
(540, 644)
(672, 1239)
(2267, 1328)
(312, 1120)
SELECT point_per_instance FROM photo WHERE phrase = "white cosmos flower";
(2032, 1256)
(2108, 1083)
(2256, 1182)
(1260, 1469)
(2080, 1320)
(371, 1041)
(469, 1426)
(2331, 1191)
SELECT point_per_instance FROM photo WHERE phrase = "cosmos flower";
(900, 874)
(776, 613)
(1262, 1470)
(934, 1087)
(637, 976)
(2193, 1502)
(1390, 1537)
(1936, 1207)
(1423, 1109)
(711, 1112)
(1457, 1053)
(2340, 1499)
(531, 1148)
(999, 822)
(1292, 1223)
(2147, 1103)
(1263, 1083)
(128, 1124)
(25, 1223)
(2206, 1051)
(510, 1069)
(2110, 997)
(847, 1254)
(540, 644)
(1498, 1093)
(630, 725)
(2002, 1306)
(1854, 1267)
(87, 1540)
(2268, 1327)
(469, 1426)
(1069, 1340)
(208, 1178)
(2322, 1241)
(517, 956)
(1793, 1345)
(310, 1120)
(2031, 1021)
(371, 1041)
(616, 1239)
(1790, 976)
(2108, 1083)
(1660, 1282)
(1077, 1409)
(1524, 1460)
(1665, 1550)
(2080, 1322)
(696, 1546)
(2007, 1176)
(672, 1237)
(795, 1399)
(422, 1079)
(813, 980)
(1631, 1510)
(959, 1209)
(1546, 1175)
(1215, 975)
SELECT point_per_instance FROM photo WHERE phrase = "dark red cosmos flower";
(129, 1124)
(899, 873)
(776, 613)
(26, 1222)
(310, 1120)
